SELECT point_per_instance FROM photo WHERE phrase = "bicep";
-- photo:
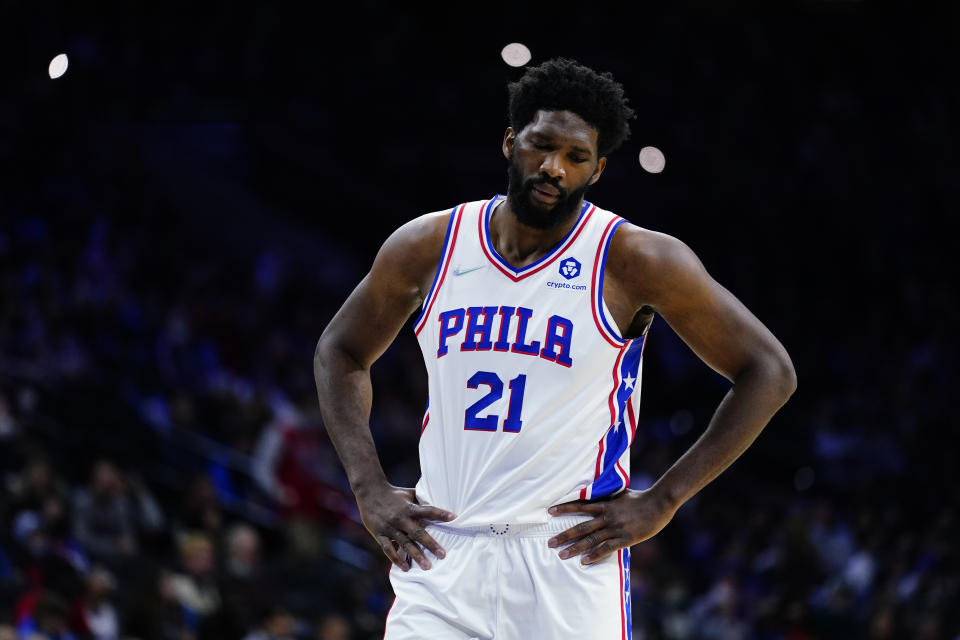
(371, 318)
(707, 317)
(376, 310)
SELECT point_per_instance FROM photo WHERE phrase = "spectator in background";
(107, 518)
(46, 562)
(276, 624)
(247, 586)
(93, 614)
(196, 587)
(201, 509)
(293, 465)
(334, 627)
(35, 486)
(158, 614)
(48, 621)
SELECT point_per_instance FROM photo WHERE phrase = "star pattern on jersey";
(629, 381)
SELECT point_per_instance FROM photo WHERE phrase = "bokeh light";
(58, 66)
(515, 54)
(652, 159)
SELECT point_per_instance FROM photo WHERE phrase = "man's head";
(243, 550)
(106, 479)
(564, 120)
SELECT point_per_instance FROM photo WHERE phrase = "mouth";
(546, 193)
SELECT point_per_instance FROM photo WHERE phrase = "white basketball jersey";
(534, 395)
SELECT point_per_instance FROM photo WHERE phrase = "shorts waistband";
(514, 529)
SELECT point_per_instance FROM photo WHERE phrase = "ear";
(601, 165)
(508, 139)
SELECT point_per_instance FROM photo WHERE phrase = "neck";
(521, 245)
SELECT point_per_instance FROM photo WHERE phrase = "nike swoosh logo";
(459, 272)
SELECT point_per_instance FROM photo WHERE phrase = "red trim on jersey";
(633, 418)
(616, 386)
(556, 252)
(623, 608)
(594, 298)
(623, 474)
(443, 274)
(426, 419)
(596, 474)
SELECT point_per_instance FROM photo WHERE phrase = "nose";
(553, 166)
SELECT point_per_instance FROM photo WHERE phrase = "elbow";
(324, 356)
(331, 353)
(318, 352)
(786, 376)
(775, 372)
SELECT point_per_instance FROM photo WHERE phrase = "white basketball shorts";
(502, 582)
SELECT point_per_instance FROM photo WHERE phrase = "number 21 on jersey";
(512, 423)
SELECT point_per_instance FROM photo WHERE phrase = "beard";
(528, 212)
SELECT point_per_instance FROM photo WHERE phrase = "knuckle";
(590, 540)
(419, 534)
(582, 528)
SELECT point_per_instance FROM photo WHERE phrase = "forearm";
(742, 414)
(346, 395)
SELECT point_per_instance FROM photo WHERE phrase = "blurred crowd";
(165, 473)
(151, 484)
(172, 245)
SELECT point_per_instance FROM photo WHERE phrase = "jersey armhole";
(449, 241)
(601, 314)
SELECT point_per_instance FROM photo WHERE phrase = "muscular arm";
(726, 336)
(653, 271)
(357, 335)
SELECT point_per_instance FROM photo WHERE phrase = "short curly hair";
(561, 84)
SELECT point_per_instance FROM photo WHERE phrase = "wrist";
(367, 484)
(668, 497)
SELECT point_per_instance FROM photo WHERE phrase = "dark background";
(185, 209)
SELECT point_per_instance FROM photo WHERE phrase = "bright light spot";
(652, 160)
(58, 66)
(515, 54)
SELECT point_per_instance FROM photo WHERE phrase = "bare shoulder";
(412, 252)
(648, 265)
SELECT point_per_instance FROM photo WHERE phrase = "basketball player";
(534, 310)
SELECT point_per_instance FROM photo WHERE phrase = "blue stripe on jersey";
(618, 437)
(550, 254)
(436, 276)
(603, 263)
